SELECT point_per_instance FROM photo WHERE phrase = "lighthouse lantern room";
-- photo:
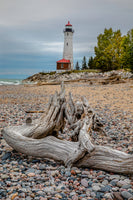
(67, 62)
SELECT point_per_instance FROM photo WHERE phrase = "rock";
(67, 173)
(31, 174)
(117, 196)
(14, 195)
(75, 197)
(96, 188)
(126, 195)
(58, 196)
(4, 176)
(84, 182)
(108, 196)
(114, 177)
(73, 172)
(120, 183)
(105, 182)
(6, 156)
(113, 183)
(107, 188)
(126, 186)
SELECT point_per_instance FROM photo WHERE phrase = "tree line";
(113, 51)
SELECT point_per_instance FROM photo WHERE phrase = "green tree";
(127, 45)
(77, 66)
(91, 63)
(108, 50)
(84, 65)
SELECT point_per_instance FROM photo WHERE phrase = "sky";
(31, 31)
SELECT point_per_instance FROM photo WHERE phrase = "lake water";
(10, 81)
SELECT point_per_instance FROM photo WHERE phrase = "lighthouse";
(67, 62)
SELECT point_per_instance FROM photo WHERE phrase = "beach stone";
(14, 195)
(31, 174)
(114, 177)
(6, 156)
(84, 182)
(117, 196)
(107, 188)
(67, 173)
(113, 183)
(4, 176)
(108, 196)
(3, 192)
(72, 193)
(126, 186)
(126, 194)
(75, 197)
(58, 196)
(105, 182)
(121, 183)
(96, 188)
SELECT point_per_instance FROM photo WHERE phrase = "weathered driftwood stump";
(40, 137)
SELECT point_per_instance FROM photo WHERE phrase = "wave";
(10, 82)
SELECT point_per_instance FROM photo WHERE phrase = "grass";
(69, 72)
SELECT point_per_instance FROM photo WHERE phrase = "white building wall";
(68, 47)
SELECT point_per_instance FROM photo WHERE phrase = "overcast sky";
(31, 31)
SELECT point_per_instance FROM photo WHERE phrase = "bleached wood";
(69, 153)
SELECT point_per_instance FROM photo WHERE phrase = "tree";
(77, 66)
(108, 50)
(84, 65)
(127, 54)
(91, 63)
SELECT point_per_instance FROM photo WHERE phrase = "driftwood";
(39, 138)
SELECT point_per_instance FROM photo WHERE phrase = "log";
(39, 138)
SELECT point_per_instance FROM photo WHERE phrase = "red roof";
(68, 24)
(63, 61)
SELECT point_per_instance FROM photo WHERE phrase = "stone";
(31, 174)
(126, 194)
(126, 186)
(75, 197)
(108, 196)
(67, 173)
(84, 182)
(105, 182)
(107, 188)
(14, 195)
(73, 172)
(113, 183)
(121, 183)
(96, 188)
(117, 196)
(4, 176)
(6, 156)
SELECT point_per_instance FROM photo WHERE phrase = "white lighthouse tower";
(67, 62)
(68, 43)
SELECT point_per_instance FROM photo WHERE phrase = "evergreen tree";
(77, 66)
(84, 65)
(91, 63)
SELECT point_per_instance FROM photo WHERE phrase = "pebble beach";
(25, 177)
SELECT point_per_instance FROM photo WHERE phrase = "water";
(10, 81)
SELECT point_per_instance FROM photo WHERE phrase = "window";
(67, 34)
(67, 44)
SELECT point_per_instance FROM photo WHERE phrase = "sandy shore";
(114, 106)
